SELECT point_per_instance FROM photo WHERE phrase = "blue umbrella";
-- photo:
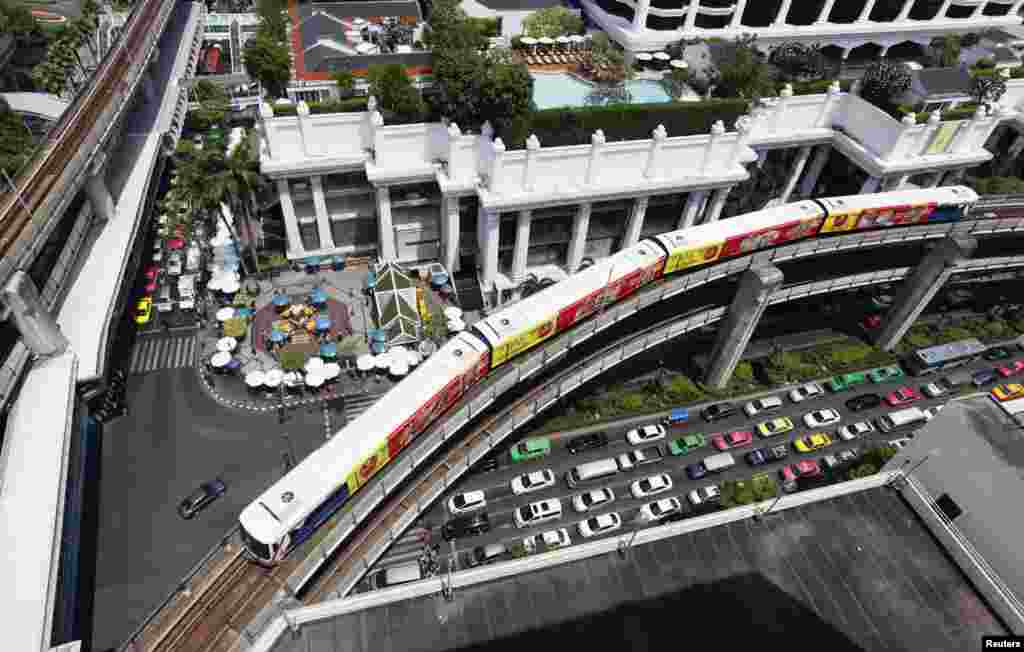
(322, 323)
(318, 296)
(281, 300)
(277, 336)
(329, 349)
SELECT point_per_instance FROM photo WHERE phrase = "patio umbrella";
(398, 368)
(317, 296)
(577, 39)
(273, 378)
(662, 56)
(643, 56)
(254, 379)
(176, 243)
(227, 344)
(220, 359)
(314, 365)
(225, 314)
(323, 323)
(230, 287)
(414, 358)
(329, 349)
(277, 337)
(365, 362)
(528, 40)
(546, 41)
(563, 40)
(331, 370)
(383, 361)
(451, 312)
(678, 64)
(314, 380)
(280, 300)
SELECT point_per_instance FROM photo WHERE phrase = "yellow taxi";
(775, 426)
(143, 310)
(814, 441)
(1008, 392)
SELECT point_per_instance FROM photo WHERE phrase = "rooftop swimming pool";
(554, 90)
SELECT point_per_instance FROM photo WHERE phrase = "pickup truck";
(640, 457)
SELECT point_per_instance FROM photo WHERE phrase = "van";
(398, 575)
(901, 419)
(591, 471)
(719, 462)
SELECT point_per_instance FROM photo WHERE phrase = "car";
(1008, 392)
(863, 402)
(776, 426)
(587, 442)
(830, 462)
(588, 500)
(150, 287)
(466, 502)
(487, 554)
(812, 442)
(996, 353)
(144, 310)
(931, 412)
(885, 374)
(538, 512)
(535, 481)
(718, 411)
(470, 525)
(597, 525)
(804, 392)
(984, 377)
(645, 434)
(871, 322)
(822, 418)
(696, 471)
(686, 443)
(1011, 369)
(151, 272)
(651, 486)
(659, 509)
(903, 396)
(847, 456)
(793, 472)
(550, 540)
(529, 449)
(639, 457)
(767, 455)
(489, 463)
(759, 405)
(899, 443)
(855, 430)
(174, 265)
(734, 439)
(704, 495)
(933, 390)
(196, 501)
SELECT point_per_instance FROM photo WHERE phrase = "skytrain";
(293, 508)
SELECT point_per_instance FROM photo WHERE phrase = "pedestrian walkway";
(154, 354)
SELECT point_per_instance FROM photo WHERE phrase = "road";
(501, 502)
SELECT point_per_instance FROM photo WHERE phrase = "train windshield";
(256, 548)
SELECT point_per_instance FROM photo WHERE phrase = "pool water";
(560, 90)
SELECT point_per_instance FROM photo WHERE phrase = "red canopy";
(176, 243)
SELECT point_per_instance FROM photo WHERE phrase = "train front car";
(311, 493)
(898, 208)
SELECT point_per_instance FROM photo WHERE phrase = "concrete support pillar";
(522, 246)
(944, 9)
(953, 177)
(694, 200)
(893, 183)
(1015, 8)
(935, 179)
(636, 222)
(578, 244)
(385, 229)
(291, 223)
(905, 11)
(488, 227)
(810, 181)
(780, 18)
(643, 8)
(865, 13)
(826, 10)
(756, 287)
(323, 219)
(717, 204)
(977, 10)
(920, 287)
(98, 192)
(691, 15)
(450, 228)
(794, 176)
(870, 185)
(737, 15)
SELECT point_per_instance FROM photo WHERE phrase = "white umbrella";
(662, 56)
(383, 361)
(273, 378)
(227, 344)
(255, 378)
(576, 38)
(365, 362)
(456, 325)
(314, 366)
(398, 368)
(546, 40)
(292, 378)
(563, 39)
(451, 312)
(414, 358)
(678, 63)
(314, 381)
(643, 56)
(214, 284)
(231, 287)
(331, 370)
(220, 359)
(225, 313)
(528, 40)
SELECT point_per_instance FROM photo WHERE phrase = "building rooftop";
(856, 573)
(944, 81)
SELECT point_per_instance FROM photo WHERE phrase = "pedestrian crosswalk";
(157, 353)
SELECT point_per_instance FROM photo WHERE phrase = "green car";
(684, 445)
(886, 374)
(529, 449)
(846, 381)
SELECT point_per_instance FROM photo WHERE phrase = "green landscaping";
(759, 488)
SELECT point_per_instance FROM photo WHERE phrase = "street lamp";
(291, 451)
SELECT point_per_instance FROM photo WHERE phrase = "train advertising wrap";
(529, 338)
(481, 369)
(693, 255)
(894, 216)
(579, 310)
(400, 438)
(770, 237)
(837, 222)
(362, 473)
(625, 286)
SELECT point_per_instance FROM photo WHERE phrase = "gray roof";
(320, 26)
(945, 81)
(519, 5)
(320, 23)
(364, 9)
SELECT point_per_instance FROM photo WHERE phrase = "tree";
(15, 140)
(393, 89)
(883, 83)
(944, 51)
(269, 61)
(396, 34)
(552, 22)
(987, 89)
(274, 19)
(742, 71)
(449, 29)
(604, 63)
(214, 105)
(797, 61)
(346, 82)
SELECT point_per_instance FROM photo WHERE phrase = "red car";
(802, 469)
(871, 321)
(734, 439)
(150, 288)
(1011, 369)
(152, 271)
(903, 396)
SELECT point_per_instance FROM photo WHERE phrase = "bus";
(944, 356)
(901, 419)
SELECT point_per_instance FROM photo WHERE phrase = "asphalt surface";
(501, 501)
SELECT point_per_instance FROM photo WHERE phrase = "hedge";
(817, 87)
(349, 105)
(1017, 72)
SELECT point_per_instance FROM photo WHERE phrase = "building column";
(905, 11)
(323, 219)
(522, 249)
(98, 192)
(693, 201)
(385, 229)
(825, 12)
(953, 177)
(450, 228)
(578, 244)
(893, 183)
(757, 285)
(865, 13)
(737, 15)
(935, 179)
(291, 223)
(794, 176)
(717, 204)
(810, 181)
(780, 18)
(643, 7)
(488, 227)
(636, 222)
(870, 185)
(691, 15)
(944, 9)
(920, 287)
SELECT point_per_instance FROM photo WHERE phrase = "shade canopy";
(227, 344)
(394, 297)
(563, 39)
(577, 38)
(365, 362)
(281, 300)
(277, 336)
(220, 359)
(314, 380)
(456, 325)
(254, 378)
(331, 370)
(451, 312)
(528, 40)
(546, 40)
(323, 323)
(643, 56)
(273, 378)
(382, 361)
(662, 56)
(678, 63)
(225, 314)
(314, 365)
(398, 368)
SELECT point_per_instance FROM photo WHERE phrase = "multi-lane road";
(501, 501)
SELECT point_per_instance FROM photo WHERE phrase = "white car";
(651, 486)
(899, 443)
(530, 482)
(931, 412)
(602, 524)
(595, 498)
(547, 540)
(646, 434)
(174, 266)
(659, 509)
(467, 502)
(822, 418)
(855, 430)
(541, 511)
(704, 495)
(933, 390)
(804, 392)
(759, 405)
